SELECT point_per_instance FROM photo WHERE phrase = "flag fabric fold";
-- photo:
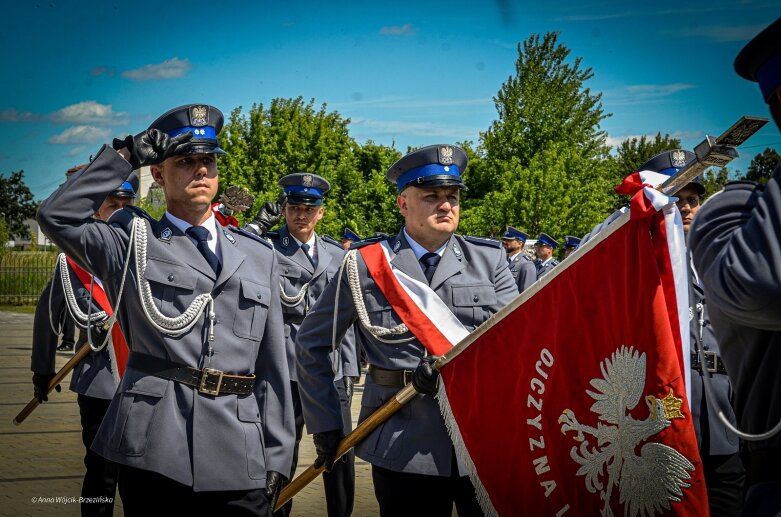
(575, 402)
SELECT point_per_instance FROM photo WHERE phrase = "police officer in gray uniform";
(307, 262)
(736, 249)
(66, 298)
(544, 247)
(571, 243)
(724, 472)
(202, 420)
(414, 468)
(521, 266)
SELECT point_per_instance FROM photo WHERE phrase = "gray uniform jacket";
(227, 442)
(474, 281)
(543, 269)
(523, 270)
(735, 246)
(721, 440)
(92, 376)
(296, 270)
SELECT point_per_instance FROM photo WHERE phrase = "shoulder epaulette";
(331, 240)
(125, 216)
(483, 241)
(368, 240)
(737, 184)
(274, 234)
(252, 236)
(554, 262)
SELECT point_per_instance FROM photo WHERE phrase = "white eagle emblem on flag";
(648, 481)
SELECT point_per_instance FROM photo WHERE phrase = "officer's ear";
(157, 174)
(401, 201)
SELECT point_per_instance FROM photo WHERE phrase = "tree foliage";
(543, 164)
(762, 165)
(291, 135)
(16, 204)
(715, 179)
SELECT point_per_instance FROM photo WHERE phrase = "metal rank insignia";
(228, 236)
(307, 180)
(199, 115)
(456, 250)
(396, 246)
(445, 155)
(166, 234)
(285, 241)
(678, 158)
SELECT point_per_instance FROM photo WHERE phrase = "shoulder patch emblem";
(166, 234)
(229, 236)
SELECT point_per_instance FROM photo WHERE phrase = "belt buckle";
(406, 376)
(711, 358)
(204, 385)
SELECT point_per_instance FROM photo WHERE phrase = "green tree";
(291, 135)
(4, 237)
(16, 204)
(543, 164)
(762, 165)
(715, 180)
(634, 152)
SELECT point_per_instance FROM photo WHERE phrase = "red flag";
(120, 348)
(575, 402)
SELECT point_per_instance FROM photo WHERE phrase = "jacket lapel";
(293, 250)
(183, 246)
(324, 257)
(232, 257)
(452, 263)
(405, 258)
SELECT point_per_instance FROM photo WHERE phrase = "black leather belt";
(208, 381)
(394, 378)
(713, 362)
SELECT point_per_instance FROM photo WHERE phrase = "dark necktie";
(305, 247)
(201, 235)
(429, 262)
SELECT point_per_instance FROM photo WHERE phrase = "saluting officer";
(735, 246)
(414, 469)
(724, 472)
(69, 296)
(202, 420)
(544, 248)
(521, 266)
(307, 262)
(571, 243)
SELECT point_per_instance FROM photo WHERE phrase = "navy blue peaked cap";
(350, 235)
(303, 188)
(670, 162)
(202, 120)
(547, 240)
(430, 167)
(514, 233)
(571, 242)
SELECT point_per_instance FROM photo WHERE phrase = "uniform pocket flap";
(473, 295)
(248, 409)
(256, 292)
(169, 274)
(150, 385)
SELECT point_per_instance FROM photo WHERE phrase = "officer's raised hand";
(274, 483)
(269, 215)
(41, 386)
(425, 378)
(150, 147)
(326, 444)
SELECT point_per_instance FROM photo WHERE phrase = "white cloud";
(77, 151)
(13, 115)
(399, 30)
(615, 141)
(169, 69)
(425, 129)
(89, 112)
(81, 135)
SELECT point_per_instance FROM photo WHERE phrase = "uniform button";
(170, 278)
(260, 295)
(476, 298)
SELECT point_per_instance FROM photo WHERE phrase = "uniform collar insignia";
(229, 236)
(285, 241)
(166, 234)
(396, 246)
(456, 250)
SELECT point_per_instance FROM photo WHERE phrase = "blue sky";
(406, 73)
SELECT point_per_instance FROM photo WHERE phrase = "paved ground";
(42, 458)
